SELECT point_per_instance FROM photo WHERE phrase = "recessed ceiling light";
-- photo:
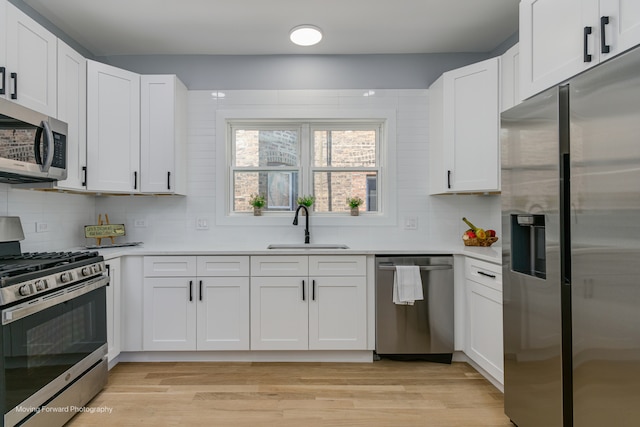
(305, 35)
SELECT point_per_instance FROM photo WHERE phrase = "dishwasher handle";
(422, 267)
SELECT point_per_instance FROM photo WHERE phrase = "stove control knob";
(40, 285)
(65, 277)
(86, 271)
(24, 290)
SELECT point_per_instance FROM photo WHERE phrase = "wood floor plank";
(383, 393)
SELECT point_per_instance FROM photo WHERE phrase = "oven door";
(49, 343)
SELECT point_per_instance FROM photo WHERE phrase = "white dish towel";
(407, 285)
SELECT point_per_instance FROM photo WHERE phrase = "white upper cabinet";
(3, 49)
(464, 129)
(72, 109)
(561, 38)
(113, 129)
(163, 134)
(29, 76)
(510, 78)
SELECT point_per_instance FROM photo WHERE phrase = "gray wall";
(416, 71)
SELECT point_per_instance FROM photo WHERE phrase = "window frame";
(386, 215)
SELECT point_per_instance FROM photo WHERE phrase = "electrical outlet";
(42, 227)
(140, 223)
(411, 223)
(202, 224)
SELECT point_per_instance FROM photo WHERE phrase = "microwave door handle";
(50, 147)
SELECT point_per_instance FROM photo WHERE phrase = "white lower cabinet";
(185, 310)
(308, 303)
(114, 304)
(483, 293)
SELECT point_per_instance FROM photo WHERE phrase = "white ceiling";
(258, 27)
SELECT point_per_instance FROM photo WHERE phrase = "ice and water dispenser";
(528, 249)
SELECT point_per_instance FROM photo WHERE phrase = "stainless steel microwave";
(33, 146)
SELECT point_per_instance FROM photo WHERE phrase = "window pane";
(255, 148)
(280, 189)
(344, 148)
(332, 189)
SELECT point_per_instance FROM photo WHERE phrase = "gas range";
(27, 275)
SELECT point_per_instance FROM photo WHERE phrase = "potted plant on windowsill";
(258, 202)
(306, 201)
(354, 203)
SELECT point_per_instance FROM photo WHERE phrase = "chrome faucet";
(306, 228)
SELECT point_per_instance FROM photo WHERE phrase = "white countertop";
(490, 254)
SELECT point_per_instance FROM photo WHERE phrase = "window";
(282, 160)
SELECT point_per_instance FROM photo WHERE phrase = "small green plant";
(354, 202)
(306, 200)
(257, 200)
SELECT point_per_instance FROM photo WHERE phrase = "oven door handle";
(28, 308)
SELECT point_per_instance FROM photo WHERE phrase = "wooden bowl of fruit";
(475, 236)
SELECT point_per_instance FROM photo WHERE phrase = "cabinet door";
(553, 42)
(72, 109)
(279, 313)
(223, 313)
(623, 30)
(113, 129)
(114, 304)
(162, 134)
(484, 328)
(471, 124)
(169, 313)
(3, 50)
(32, 56)
(510, 78)
(338, 313)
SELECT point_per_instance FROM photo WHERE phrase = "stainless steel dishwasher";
(421, 331)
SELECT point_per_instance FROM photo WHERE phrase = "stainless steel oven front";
(54, 348)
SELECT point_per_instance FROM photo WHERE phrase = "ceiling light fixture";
(305, 35)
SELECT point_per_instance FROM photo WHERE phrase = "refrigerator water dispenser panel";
(528, 255)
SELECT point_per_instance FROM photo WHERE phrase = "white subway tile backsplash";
(172, 219)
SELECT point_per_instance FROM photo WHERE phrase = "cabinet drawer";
(485, 273)
(169, 266)
(211, 266)
(337, 265)
(279, 266)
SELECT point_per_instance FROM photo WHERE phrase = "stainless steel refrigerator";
(571, 251)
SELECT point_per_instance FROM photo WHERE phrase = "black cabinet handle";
(586, 56)
(482, 273)
(604, 47)
(200, 290)
(304, 298)
(3, 88)
(169, 180)
(313, 290)
(448, 179)
(108, 273)
(14, 76)
(190, 290)
(135, 180)
(84, 170)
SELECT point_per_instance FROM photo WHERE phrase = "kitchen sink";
(307, 246)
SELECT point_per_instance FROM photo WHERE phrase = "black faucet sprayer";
(306, 228)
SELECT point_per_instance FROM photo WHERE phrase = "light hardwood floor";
(383, 393)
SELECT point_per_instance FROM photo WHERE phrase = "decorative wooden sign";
(104, 230)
